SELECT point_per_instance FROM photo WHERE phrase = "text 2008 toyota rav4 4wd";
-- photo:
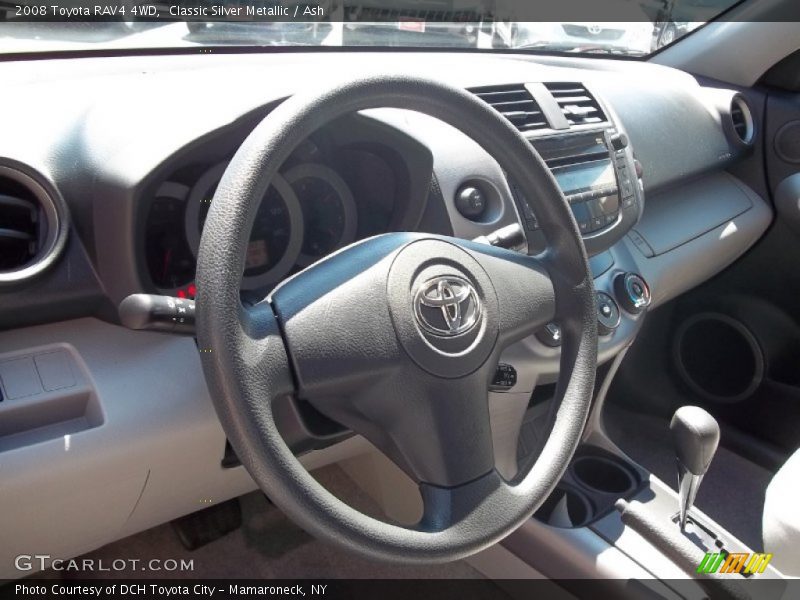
(296, 306)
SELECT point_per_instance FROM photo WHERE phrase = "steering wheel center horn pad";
(428, 272)
(396, 337)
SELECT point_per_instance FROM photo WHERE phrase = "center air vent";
(577, 104)
(515, 103)
(32, 226)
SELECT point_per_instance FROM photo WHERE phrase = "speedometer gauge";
(276, 237)
(329, 210)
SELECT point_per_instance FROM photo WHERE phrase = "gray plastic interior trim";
(692, 262)
(154, 424)
(682, 214)
(457, 160)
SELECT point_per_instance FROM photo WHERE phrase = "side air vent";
(516, 104)
(32, 226)
(577, 104)
(742, 120)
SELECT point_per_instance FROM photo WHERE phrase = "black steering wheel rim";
(244, 351)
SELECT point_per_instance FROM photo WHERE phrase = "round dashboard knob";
(608, 317)
(619, 141)
(632, 292)
(470, 202)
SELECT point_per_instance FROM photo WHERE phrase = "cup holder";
(594, 481)
(601, 474)
(566, 507)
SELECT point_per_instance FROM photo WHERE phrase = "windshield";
(645, 26)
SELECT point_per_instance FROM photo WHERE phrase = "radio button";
(581, 211)
(627, 189)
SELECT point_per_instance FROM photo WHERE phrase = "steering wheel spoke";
(437, 431)
(448, 507)
(526, 296)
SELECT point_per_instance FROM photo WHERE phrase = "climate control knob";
(608, 317)
(632, 292)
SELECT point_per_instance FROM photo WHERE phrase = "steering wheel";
(396, 337)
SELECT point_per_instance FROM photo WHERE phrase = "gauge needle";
(167, 260)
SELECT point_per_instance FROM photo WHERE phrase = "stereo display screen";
(585, 177)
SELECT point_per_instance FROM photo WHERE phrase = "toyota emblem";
(447, 306)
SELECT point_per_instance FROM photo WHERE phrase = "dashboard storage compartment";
(46, 397)
(679, 215)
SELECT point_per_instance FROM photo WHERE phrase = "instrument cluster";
(323, 199)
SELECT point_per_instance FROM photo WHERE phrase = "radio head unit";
(596, 173)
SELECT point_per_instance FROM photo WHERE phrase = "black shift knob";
(695, 434)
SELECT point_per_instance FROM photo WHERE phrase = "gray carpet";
(732, 492)
(269, 546)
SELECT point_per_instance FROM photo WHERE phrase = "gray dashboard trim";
(154, 456)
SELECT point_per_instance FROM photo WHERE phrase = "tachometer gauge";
(169, 259)
(277, 235)
(329, 210)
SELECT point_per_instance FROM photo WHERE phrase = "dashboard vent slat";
(13, 234)
(516, 104)
(576, 103)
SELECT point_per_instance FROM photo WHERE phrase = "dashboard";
(336, 189)
(108, 195)
(616, 135)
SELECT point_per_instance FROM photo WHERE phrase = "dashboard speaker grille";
(787, 142)
(516, 104)
(577, 103)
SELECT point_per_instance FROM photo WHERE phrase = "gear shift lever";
(695, 434)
